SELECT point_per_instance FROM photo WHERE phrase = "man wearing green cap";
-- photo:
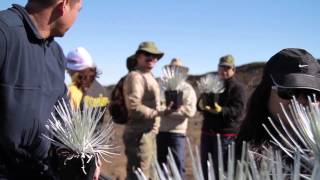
(225, 116)
(142, 97)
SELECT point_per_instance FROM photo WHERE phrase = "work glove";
(217, 109)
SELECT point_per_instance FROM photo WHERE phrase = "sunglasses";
(288, 93)
(149, 56)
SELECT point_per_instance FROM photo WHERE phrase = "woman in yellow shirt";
(84, 89)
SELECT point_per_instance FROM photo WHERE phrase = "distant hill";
(249, 74)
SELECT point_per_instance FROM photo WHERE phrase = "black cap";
(294, 68)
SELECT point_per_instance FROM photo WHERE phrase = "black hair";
(131, 63)
(252, 130)
(44, 3)
(47, 3)
(257, 113)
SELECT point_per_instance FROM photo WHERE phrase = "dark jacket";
(232, 101)
(31, 81)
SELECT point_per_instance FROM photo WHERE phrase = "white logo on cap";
(303, 65)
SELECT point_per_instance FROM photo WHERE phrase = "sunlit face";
(226, 72)
(71, 11)
(146, 61)
(83, 78)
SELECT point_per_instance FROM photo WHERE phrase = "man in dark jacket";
(225, 116)
(32, 70)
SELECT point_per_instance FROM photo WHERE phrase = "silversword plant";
(172, 77)
(300, 133)
(77, 132)
(271, 167)
(298, 139)
(211, 83)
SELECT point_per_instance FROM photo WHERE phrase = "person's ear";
(61, 6)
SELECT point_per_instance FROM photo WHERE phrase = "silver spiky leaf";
(299, 139)
(76, 131)
(211, 83)
(163, 171)
(270, 167)
(173, 77)
(301, 132)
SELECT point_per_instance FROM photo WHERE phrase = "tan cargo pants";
(140, 149)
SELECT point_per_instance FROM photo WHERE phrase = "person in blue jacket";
(32, 68)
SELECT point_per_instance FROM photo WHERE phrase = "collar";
(230, 79)
(143, 71)
(23, 14)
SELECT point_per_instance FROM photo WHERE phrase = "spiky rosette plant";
(163, 171)
(298, 139)
(172, 77)
(211, 83)
(301, 132)
(271, 166)
(77, 132)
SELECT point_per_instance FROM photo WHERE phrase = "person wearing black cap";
(290, 72)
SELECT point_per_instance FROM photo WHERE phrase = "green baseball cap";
(150, 47)
(227, 60)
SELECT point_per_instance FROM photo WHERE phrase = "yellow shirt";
(100, 101)
(75, 95)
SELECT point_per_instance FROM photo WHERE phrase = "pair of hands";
(163, 112)
(216, 109)
(64, 152)
(168, 110)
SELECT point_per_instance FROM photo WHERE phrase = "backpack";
(117, 106)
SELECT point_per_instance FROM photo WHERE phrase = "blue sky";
(199, 32)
